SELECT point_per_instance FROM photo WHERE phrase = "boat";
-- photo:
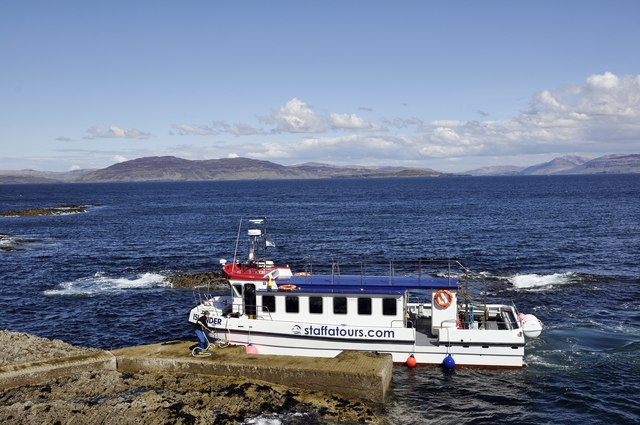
(417, 318)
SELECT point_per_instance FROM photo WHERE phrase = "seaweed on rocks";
(42, 211)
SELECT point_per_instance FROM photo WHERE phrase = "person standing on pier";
(201, 327)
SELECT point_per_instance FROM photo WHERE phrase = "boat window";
(237, 290)
(315, 305)
(292, 304)
(250, 301)
(340, 305)
(389, 307)
(269, 303)
(364, 305)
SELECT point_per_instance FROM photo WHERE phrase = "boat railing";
(449, 268)
(202, 294)
(264, 309)
(211, 306)
(491, 316)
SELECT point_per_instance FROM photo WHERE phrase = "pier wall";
(352, 374)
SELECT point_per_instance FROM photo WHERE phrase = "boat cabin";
(340, 300)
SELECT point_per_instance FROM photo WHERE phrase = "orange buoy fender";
(287, 287)
(443, 298)
(411, 361)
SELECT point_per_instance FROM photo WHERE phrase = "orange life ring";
(287, 287)
(302, 274)
(443, 298)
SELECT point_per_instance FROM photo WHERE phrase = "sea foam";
(100, 283)
(6, 240)
(541, 281)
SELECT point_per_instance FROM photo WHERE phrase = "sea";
(565, 248)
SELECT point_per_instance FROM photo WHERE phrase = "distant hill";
(332, 171)
(570, 164)
(170, 168)
(561, 165)
(498, 170)
(33, 176)
(610, 164)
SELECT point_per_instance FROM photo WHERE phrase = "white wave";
(276, 419)
(544, 361)
(541, 281)
(103, 284)
(261, 420)
(6, 240)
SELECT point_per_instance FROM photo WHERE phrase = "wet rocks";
(57, 210)
(110, 397)
(192, 280)
(16, 347)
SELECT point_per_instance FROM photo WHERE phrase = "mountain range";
(569, 164)
(170, 168)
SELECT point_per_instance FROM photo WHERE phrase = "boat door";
(249, 299)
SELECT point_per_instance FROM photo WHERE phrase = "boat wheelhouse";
(415, 317)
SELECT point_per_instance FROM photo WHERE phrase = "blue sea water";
(566, 248)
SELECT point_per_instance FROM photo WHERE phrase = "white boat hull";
(485, 348)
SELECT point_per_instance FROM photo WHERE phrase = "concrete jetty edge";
(359, 375)
(354, 374)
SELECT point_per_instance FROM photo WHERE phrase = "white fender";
(531, 326)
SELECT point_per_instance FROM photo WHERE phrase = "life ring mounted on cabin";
(443, 298)
(287, 287)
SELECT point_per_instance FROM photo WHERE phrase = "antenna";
(235, 253)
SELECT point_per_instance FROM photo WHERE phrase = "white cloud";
(606, 81)
(339, 149)
(115, 132)
(295, 116)
(184, 130)
(119, 158)
(352, 122)
(600, 116)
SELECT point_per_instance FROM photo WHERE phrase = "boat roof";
(356, 284)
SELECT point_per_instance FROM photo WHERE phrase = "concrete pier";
(359, 375)
(352, 374)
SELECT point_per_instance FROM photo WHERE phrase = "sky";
(448, 85)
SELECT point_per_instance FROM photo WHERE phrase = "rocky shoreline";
(36, 212)
(111, 397)
(193, 280)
